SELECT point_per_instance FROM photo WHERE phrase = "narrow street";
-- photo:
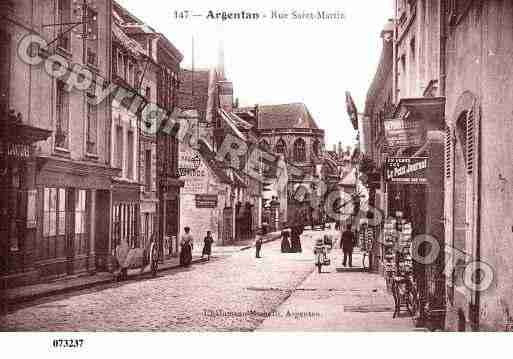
(233, 292)
(179, 300)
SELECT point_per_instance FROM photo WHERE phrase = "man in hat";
(347, 244)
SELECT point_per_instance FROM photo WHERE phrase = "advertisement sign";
(192, 171)
(206, 200)
(406, 170)
(403, 133)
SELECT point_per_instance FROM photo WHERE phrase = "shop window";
(64, 17)
(62, 112)
(81, 204)
(92, 122)
(124, 224)
(299, 150)
(54, 222)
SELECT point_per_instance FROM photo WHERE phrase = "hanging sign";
(406, 170)
(401, 132)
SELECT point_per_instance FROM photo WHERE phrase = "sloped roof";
(231, 125)
(292, 115)
(239, 122)
(185, 97)
(219, 168)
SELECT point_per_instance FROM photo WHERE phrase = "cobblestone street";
(230, 293)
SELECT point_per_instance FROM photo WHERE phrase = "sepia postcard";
(267, 167)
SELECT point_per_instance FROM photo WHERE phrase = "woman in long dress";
(285, 243)
(207, 247)
(186, 248)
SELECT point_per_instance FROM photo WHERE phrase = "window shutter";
(470, 141)
(449, 191)
(473, 150)
(447, 153)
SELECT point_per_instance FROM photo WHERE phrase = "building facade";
(65, 186)
(290, 130)
(449, 60)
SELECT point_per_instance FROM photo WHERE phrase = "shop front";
(125, 214)
(413, 174)
(18, 199)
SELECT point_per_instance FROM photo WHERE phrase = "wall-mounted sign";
(206, 200)
(192, 171)
(15, 150)
(406, 170)
(403, 133)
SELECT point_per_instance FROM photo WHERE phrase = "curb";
(263, 242)
(82, 286)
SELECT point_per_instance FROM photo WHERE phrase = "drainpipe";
(394, 57)
(443, 42)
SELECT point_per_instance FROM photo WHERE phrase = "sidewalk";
(347, 299)
(242, 245)
(31, 292)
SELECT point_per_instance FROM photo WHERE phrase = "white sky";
(272, 61)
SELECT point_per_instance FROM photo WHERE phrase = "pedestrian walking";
(347, 244)
(207, 246)
(186, 244)
(285, 243)
(259, 242)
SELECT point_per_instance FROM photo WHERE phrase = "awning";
(16, 138)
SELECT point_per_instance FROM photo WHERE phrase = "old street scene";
(159, 177)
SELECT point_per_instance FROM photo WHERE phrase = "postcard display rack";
(397, 259)
(365, 238)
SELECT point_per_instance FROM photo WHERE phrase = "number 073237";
(68, 343)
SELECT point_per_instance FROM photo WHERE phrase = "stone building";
(55, 198)
(478, 203)
(210, 94)
(146, 64)
(291, 131)
(207, 192)
(449, 61)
